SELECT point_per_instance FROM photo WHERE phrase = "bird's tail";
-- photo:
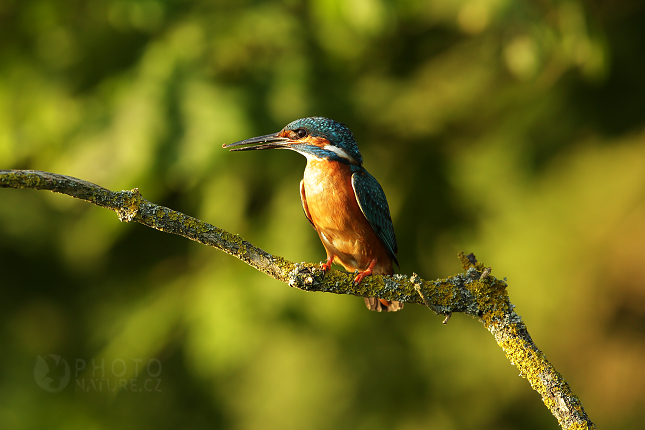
(382, 305)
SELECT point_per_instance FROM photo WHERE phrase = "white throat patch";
(340, 152)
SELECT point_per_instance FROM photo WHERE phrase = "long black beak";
(268, 141)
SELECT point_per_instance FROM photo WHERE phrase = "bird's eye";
(301, 132)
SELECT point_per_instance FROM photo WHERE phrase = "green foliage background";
(514, 130)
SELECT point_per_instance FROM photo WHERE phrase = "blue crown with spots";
(336, 133)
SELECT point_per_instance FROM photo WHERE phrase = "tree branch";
(474, 292)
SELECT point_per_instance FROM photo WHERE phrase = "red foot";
(327, 265)
(368, 271)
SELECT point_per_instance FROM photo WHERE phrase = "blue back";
(371, 199)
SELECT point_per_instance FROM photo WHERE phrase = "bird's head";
(314, 137)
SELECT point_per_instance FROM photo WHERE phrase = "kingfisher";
(342, 201)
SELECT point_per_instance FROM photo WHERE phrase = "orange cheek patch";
(318, 141)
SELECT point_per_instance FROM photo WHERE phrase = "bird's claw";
(368, 271)
(326, 265)
(360, 276)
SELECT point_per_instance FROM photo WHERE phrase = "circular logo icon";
(51, 372)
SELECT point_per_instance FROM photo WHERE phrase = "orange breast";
(343, 229)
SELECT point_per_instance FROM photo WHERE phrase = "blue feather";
(371, 199)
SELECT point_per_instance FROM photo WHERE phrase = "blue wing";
(371, 199)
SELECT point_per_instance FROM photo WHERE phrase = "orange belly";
(343, 229)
